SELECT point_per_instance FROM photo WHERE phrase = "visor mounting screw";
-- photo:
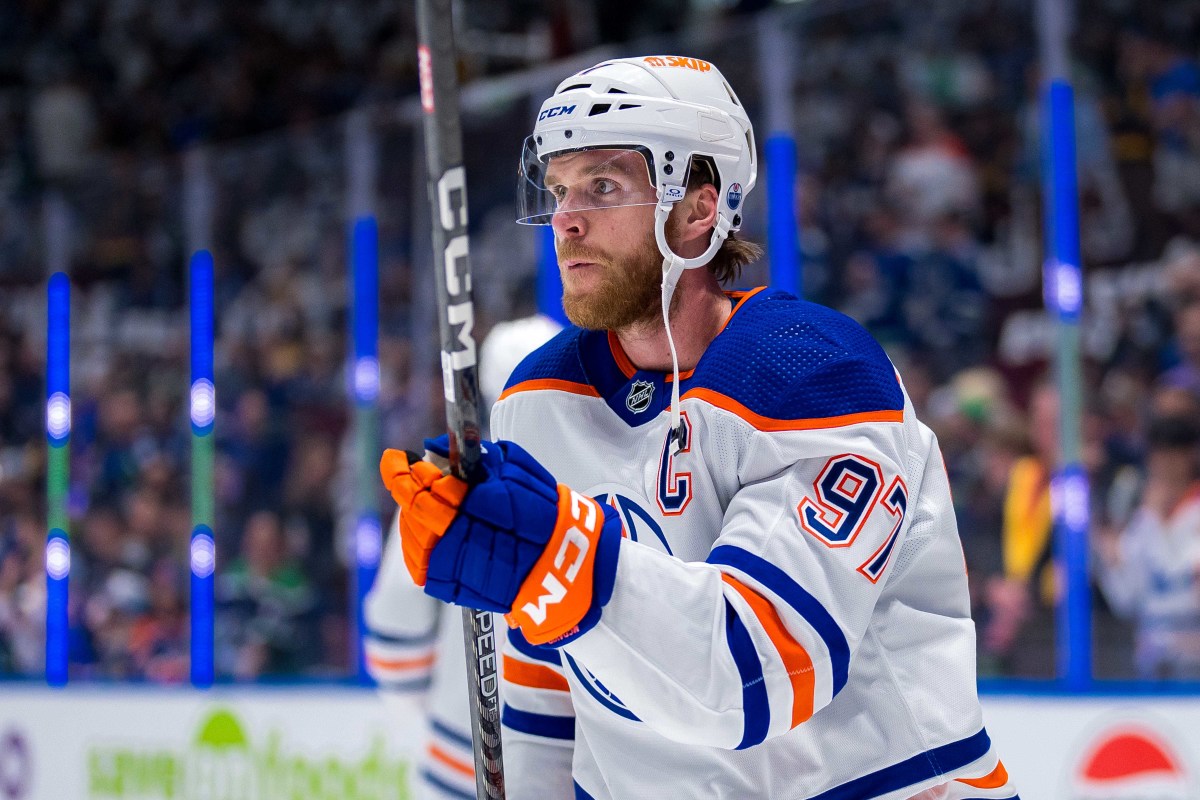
(670, 156)
(539, 141)
(668, 169)
(567, 134)
(737, 219)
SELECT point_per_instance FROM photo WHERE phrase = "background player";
(413, 643)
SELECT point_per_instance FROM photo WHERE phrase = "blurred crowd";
(918, 210)
(156, 75)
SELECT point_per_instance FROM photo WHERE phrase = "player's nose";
(568, 224)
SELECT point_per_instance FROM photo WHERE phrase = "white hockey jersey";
(790, 615)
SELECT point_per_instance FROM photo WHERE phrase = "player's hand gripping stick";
(515, 542)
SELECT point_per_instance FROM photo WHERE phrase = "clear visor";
(580, 180)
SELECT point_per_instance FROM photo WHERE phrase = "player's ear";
(701, 213)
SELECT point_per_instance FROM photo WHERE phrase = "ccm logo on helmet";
(678, 61)
(557, 111)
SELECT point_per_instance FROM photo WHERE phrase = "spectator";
(1186, 374)
(64, 128)
(111, 609)
(265, 606)
(22, 611)
(158, 641)
(1151, 571)
(1020, 630)
(932, 175)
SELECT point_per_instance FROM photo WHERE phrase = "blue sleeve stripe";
(423, 639)
(538, 724)
(911, 771)
(755, 707)
(792, 593)
(449, 734)
(580, 794)
(445, 788)
(405, 687)
(536, 652)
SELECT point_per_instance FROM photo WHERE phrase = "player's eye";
(605, 186)
(558, 191)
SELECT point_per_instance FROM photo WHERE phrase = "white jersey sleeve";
(400, 636)
(414, 649)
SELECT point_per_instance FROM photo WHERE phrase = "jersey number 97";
(845, 493)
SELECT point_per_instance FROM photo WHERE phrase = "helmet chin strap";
(673, 267)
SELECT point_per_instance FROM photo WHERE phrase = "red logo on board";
(1131, 762)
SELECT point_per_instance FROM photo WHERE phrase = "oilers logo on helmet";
(734, 196)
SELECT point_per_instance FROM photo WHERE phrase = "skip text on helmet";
(678, 61)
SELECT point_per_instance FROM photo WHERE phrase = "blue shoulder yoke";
(780, 357)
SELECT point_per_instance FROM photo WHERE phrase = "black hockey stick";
(456, 314)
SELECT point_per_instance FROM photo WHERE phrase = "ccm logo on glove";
(552, 588)
(513, 541)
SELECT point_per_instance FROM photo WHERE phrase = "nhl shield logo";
(639, 397)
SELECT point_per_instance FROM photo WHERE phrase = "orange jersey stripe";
(627, 367)
(623, 363)
(993, 780)
(534, 676)
(795, 658)
(550, 384)
(768, 424)
(400, 663)
(458, 765)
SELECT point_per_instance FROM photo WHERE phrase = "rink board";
(117, 743)
(336, 743)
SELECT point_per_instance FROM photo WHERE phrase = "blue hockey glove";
(524, 545)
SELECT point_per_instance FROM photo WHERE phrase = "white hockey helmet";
(669, 108)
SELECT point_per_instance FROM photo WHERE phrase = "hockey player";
(723, 542)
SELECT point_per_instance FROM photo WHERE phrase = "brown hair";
(735, 253)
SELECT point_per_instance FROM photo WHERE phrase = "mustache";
(572, 250)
